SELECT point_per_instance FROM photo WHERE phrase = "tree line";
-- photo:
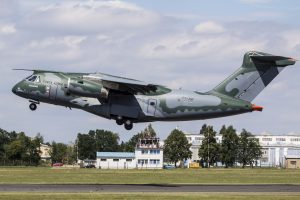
(243, 149)
(19, 149)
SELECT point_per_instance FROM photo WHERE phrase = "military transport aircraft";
(131, 101)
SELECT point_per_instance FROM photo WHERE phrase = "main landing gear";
(128, 125)
(32, 105)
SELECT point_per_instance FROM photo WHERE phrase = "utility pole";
(208, 160)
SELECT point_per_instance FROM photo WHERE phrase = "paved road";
(145, 188)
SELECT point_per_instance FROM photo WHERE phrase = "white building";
(148, 155)
(45, 152)
(115, 160)
(274, 147)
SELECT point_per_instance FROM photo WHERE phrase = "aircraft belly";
(126, 111)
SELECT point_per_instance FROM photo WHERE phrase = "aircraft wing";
(121, 84)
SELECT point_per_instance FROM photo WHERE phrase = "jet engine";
(86, 88)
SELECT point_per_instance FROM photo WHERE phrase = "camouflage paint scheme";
(130, 101)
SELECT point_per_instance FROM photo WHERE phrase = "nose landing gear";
(33, 105)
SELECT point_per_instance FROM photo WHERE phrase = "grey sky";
(188, 44)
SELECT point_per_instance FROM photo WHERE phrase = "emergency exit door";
(151, 107)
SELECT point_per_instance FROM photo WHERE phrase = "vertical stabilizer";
(257, 71)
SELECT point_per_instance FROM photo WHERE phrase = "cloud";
(88, 16)
(208, 27)
(8, 29)
(69, 41)
(189, 45)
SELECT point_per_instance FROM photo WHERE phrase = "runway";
(147, 188)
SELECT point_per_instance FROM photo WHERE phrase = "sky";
(191, 44)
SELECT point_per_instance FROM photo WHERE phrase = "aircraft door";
(53, 92)
(151, 107)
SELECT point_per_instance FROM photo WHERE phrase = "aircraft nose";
(16, 88)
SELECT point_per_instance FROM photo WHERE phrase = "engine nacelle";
(86, 88)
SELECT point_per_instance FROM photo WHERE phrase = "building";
(116, 160)
(148, 155)
(292, 162)
(45, 152)
(275, 148)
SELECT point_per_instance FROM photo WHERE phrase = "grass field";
(147, 196)
(41, 175)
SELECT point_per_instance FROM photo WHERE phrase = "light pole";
(208, 150)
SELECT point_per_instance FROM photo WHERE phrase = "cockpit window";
(33, 78)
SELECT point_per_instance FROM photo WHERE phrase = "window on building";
(154, 161)
(266, 139)
(280, 139)
(144, 151)
(295, 139)
(128, 160)
(293, 162)
(116, 160)
(142, 161)
(154, 151)
(103, 159)
(198, 138)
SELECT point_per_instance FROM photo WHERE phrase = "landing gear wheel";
(32, 106)
(119, 121)
(128, 125)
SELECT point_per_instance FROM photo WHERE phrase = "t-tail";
(257, 71)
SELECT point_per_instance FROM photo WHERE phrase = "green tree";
(209, 151)
(98, 140)
(203, 129)
(58, 152)
(106, 141)
(4, 140)
(71, 154)
(131, 144)
(34, 149)
(86, 145)
(177, 147)
(229, 146)
(249, 149)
